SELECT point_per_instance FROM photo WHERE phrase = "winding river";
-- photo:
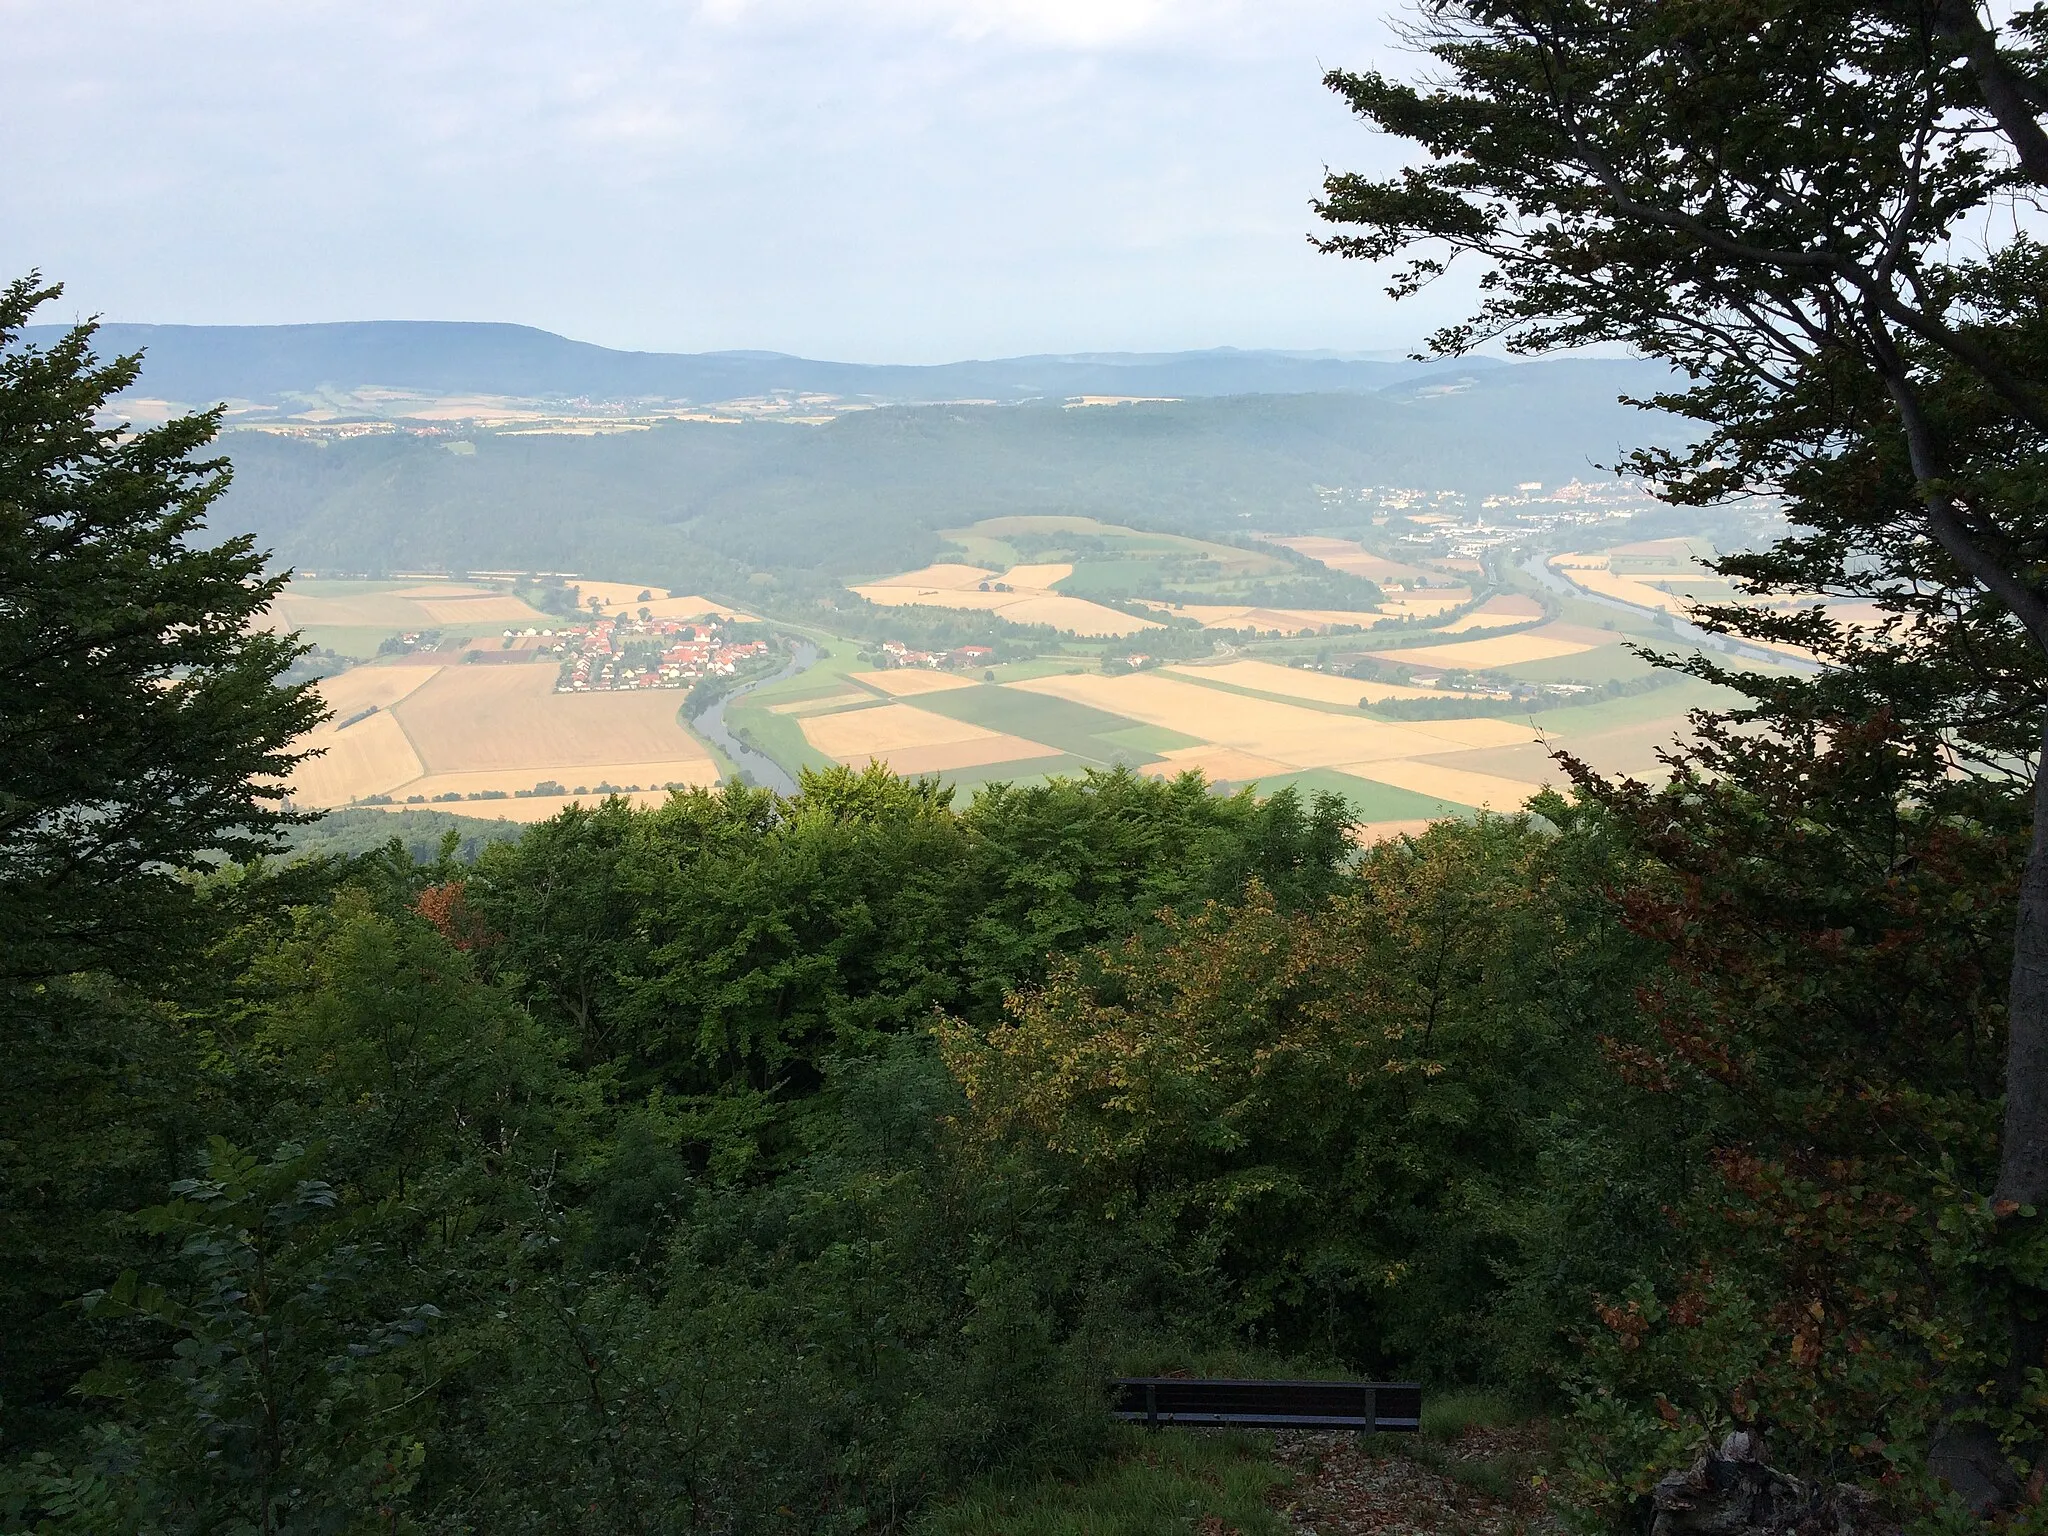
(757, 766)
(1691, 633)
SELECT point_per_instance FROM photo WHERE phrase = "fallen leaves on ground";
(1386, 1486)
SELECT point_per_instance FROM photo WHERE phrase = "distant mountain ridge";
(198, 364)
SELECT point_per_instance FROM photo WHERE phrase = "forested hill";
(865, 493)
(199, 363)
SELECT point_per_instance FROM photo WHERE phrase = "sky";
(869, 180)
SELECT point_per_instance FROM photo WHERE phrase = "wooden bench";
(1375, 1407)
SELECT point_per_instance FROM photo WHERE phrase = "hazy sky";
(885, 180)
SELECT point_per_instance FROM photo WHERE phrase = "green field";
(778, 736)
(1670, 703)
(1369, 801)
(1093, 735)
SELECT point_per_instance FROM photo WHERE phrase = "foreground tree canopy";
(1815, 213)
(774, 1164)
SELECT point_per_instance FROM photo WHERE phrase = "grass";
(1369, 801)
(1044, 666)
(1581, 720)
(1445, 1418)
(1447, 1415)
(1078, 729)
(777, 736)
(1106, 578)
(836, 658)
(1147, 738)
(1595, 666)
(1161, 1484)
(359, 641)
(979, 549)
(1321, 706)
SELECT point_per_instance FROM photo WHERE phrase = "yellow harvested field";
(1507, 608)
(465, 729)
(472, 718)
(1281, 733)
(1028, 601)
(1038, 577)
(1277, 621)
(1268, 677)
(1602, 582)
(1074, 613)
(364, 687)
(1478, 731)
(1506, 651)
(1352, 557)
(1300, 683)
(1386, 831)
(689, 608)
(381, 610)
(1069, 613)
(623, 597)
(952, 755)
(888, 595)
(615, 594)
(429, 605)
(937, 578)
(1219, 765)
(901, 734)
(495, 609)
(371, 757)
(1462, 785)
(822, 702)
(908, 682)
(654, 775)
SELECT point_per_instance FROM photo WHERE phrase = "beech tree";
(1817, 211)
(1813, 210)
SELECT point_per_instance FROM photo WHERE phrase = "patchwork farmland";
(1438, 700)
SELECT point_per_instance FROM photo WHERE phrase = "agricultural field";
(1440, 714)
(1084, 576)
(1542, 644)
(354, 617)
(431, 726)
(411, 734)
(1020, 594)
(1666, 576)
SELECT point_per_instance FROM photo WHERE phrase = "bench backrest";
(1370, 1406)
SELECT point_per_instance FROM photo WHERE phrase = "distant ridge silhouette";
(265, 363)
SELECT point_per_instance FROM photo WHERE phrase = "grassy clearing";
(1164, 1484)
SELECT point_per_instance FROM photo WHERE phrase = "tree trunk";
(2023, 1153)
